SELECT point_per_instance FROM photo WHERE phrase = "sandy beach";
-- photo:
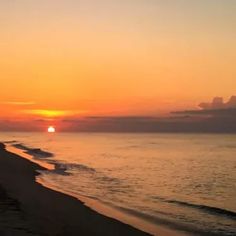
(27, 208)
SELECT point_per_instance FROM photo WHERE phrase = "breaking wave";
(35, 152)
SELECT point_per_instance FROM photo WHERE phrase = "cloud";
(20, 125)
(216, 116)
(217, 109)
(51, 113)
(223, 112)
(190, 123)
(18, 103)
(218, 103)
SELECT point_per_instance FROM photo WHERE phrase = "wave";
(80, 167)
(108, 179)
(209, 209)
(166, 221)
(35, 152)
(10, 142)
(59, 167)
(64, 168)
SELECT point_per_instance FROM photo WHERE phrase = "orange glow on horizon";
(48, 113)
(51, 114)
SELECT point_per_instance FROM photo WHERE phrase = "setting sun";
(51, 129)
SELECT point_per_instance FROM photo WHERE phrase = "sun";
(51, 129)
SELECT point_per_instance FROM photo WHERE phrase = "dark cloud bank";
(214, 117)
(218, 103)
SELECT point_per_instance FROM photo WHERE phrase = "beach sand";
(12, 218)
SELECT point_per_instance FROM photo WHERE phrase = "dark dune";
(42, 211)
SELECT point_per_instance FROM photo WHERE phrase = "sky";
(74, 58)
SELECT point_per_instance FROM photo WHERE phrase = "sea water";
(183, 181)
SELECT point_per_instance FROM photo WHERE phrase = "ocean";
(186, 182)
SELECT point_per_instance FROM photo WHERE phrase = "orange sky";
(134, 57)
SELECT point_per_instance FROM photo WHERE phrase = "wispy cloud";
(212, 112)
(18, 103)
(51, 113)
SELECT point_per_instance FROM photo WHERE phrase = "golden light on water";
(51, 129)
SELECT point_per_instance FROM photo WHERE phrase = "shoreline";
(51, 212)
(55, 213)
(133, 221)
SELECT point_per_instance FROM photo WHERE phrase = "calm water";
(187, 182)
